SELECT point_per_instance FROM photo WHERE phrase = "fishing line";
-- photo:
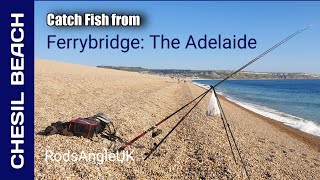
(162, 140)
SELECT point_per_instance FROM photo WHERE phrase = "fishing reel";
(105, 122)
(156, 132)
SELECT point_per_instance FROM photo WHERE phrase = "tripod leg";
(233, 139)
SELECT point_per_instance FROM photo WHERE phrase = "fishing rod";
(263, 54)
(157, 124)
(162, 140)
(235, 72)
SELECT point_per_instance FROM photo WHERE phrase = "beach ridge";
(197, 149)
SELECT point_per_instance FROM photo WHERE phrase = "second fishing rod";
(233, 73)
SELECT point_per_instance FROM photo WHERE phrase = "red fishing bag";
(83, 127)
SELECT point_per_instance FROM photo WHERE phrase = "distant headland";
(215, 74)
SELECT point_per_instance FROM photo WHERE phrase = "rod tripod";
(231, 138)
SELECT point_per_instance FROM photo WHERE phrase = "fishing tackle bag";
(83, 127)
(87, 127)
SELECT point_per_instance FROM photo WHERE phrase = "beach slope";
(198, 149)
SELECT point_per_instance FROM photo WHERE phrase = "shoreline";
(253, 79)
(312, 140)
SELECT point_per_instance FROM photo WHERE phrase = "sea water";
(293, 102)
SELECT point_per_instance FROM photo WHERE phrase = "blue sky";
(267, 22)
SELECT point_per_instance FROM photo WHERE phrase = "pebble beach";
(197, 149)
